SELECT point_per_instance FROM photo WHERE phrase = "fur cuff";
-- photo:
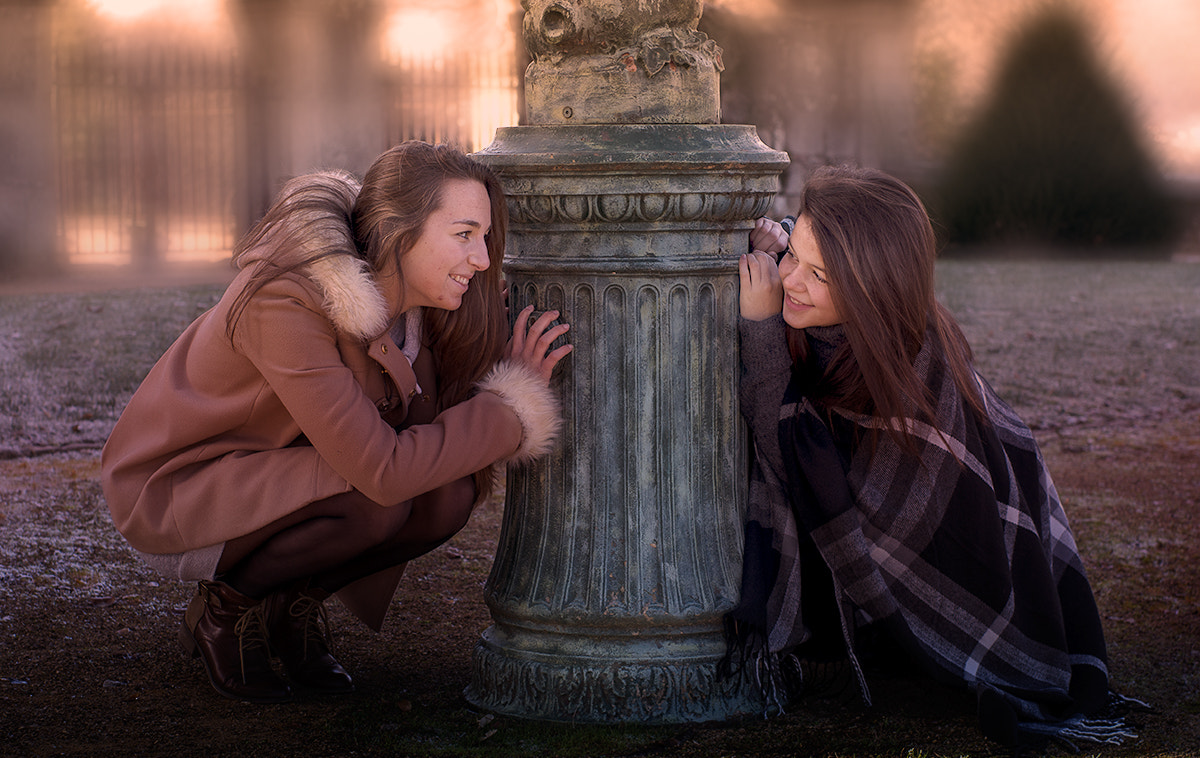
(535, 404)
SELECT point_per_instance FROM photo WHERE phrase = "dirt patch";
(89, 663)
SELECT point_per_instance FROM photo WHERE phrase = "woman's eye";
(818, 277)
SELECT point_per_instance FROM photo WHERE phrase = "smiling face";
(438, 269)
(806, 297)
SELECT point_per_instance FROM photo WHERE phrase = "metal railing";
(151, 131)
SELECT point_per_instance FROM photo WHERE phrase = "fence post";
(28, 207)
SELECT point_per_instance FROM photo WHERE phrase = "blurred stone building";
(27, 188)
(827, 81)
(158, 137)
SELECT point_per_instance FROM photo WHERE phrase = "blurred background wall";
(149, 133)
(146, 133)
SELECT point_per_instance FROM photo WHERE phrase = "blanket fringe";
(1079, 729)
(999, 722)
(778, 678)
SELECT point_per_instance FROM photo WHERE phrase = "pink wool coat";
(225, 436)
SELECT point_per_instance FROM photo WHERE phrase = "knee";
(447, 509)
(368, 523)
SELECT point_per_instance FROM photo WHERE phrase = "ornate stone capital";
(620, 61)
(639, 208)
(634, 178)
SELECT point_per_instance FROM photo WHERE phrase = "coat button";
(383, 349)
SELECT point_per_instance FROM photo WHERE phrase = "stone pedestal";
(621, 552)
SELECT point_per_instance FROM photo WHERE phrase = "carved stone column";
(621, 552)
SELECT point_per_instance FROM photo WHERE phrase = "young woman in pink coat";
(339, 412)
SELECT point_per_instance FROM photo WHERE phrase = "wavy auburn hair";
(879, 250)
(399, 192)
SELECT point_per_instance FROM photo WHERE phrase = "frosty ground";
(1102, 359)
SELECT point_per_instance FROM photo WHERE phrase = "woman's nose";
(478, 257)
(793, 280)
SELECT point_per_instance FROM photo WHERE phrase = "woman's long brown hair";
(309, 220)
(400, 191)
(879, 250)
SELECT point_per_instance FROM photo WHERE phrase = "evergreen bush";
(1054, 156)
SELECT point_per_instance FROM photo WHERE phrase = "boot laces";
(313, 616)
(251, 631)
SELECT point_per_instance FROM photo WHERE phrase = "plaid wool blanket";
(963, 558)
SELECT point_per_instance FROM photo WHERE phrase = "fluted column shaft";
(621, 552)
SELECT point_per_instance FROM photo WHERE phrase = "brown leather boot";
(299, 629)
(228, 631)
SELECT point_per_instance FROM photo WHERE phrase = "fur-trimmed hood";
(357, 307)
(353, 300)
(322, 235)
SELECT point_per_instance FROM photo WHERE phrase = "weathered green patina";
(621, 551)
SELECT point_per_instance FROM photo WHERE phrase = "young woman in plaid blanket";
(894, 497)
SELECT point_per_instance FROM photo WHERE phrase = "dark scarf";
(963, 558)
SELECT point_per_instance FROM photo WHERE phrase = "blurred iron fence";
(460, 99)
(147, 145)
(151, 132)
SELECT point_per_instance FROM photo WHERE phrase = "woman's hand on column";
(530, 343)
(768, 236)
(761, 290)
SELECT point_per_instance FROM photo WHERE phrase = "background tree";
(1054, 155)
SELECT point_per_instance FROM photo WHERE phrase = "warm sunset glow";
(753, 9)
(107, 240)
(128, 11)
(417, 33)
(1147, 45)
(1153, 47)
